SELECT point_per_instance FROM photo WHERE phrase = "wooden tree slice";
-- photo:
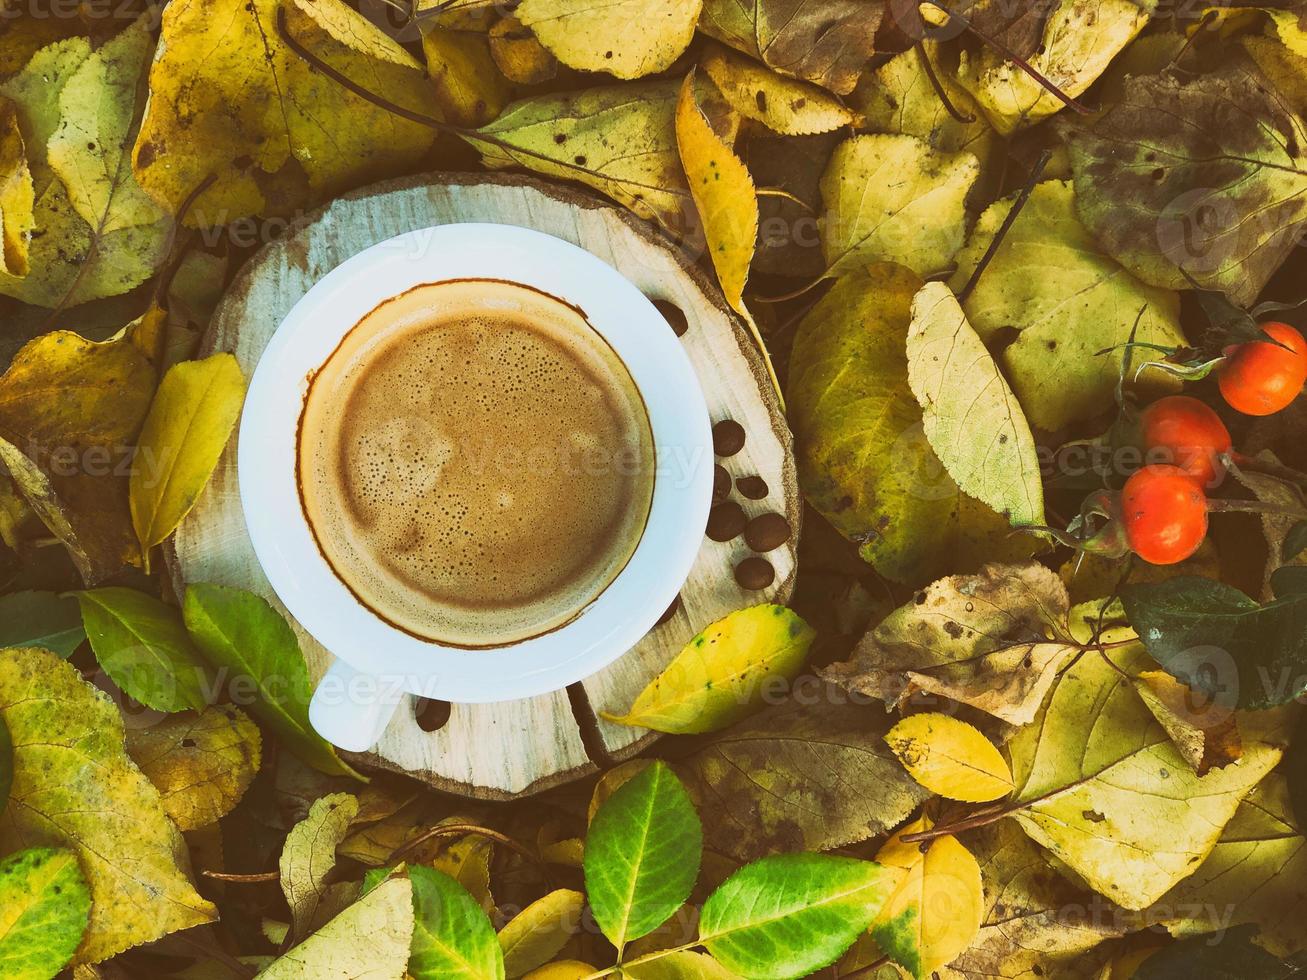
(500, 751)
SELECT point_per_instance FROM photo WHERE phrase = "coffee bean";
(753, 487)
(767, 531)
(673, 315)
(727, 437)
(726, 521)
(755, 573)
(721, 484)
(671, 611)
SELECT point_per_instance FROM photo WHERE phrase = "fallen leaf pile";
(976, 242)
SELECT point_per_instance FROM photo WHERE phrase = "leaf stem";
(1008, 222)
(646, 958)
(262, 877)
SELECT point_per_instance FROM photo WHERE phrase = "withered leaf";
(811, 774)
(994, 640)
(822, 41)
(1202, 174)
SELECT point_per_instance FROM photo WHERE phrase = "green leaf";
(722, 674)
(74, 786)
(1235, 650)
(309, 856)
(1295, 542)
(453, 938)
(239, 632)
(1168, 177)
(142, 644)
(6, 763)
(863, 458)
(190, 421)
(972, 419)
(1232, 956)
(368, 939)
(41, 619)
(642, 854)
(44, 908)
(1053, 364)
(791, 915)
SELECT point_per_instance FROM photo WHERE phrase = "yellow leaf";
(309, 856)
(784, 105)
(74, 786)
(230, 99)
(894, 199)
(620, 140)
(202, 764)
(1204, 731)
(70, 411)
(626, 38)
(562, 970)
(723, 192)
(936, 913)
(972, 420)
(469, 87)
(724, 673)
(17, 194)
(190, 421)
(1053, 364)
(519, 54)
(540, 930)
(1079, 40)
(97, 233)
(950, 757)
(371, 938)
(467, 860)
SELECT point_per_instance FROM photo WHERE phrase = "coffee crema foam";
(476, 462)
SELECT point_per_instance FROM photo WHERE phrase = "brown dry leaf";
(782, 104)
(802, 776)
(823, 41)
(309, 857)
(625, 38)
(75, 786)
(994, 640)
(519, 55)
(202, 764)
(229, 99)
(70, 411)
(1205, 733)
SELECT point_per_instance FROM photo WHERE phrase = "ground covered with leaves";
(1034, 711)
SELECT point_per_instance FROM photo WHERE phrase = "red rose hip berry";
(1165, 514)
(1261, 378)
(1191, 434)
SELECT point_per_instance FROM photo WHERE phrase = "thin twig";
(793, 294)
(254, 879)
(463, 829)
(779, 192)
(938, 86)
(1008, 222)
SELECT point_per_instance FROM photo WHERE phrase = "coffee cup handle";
(351, 709)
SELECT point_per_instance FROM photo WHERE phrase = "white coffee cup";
(376, 663)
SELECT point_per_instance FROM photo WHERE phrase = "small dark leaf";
(1217, 640)
(1233, 956)
(1295, 542)
(41, 619)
